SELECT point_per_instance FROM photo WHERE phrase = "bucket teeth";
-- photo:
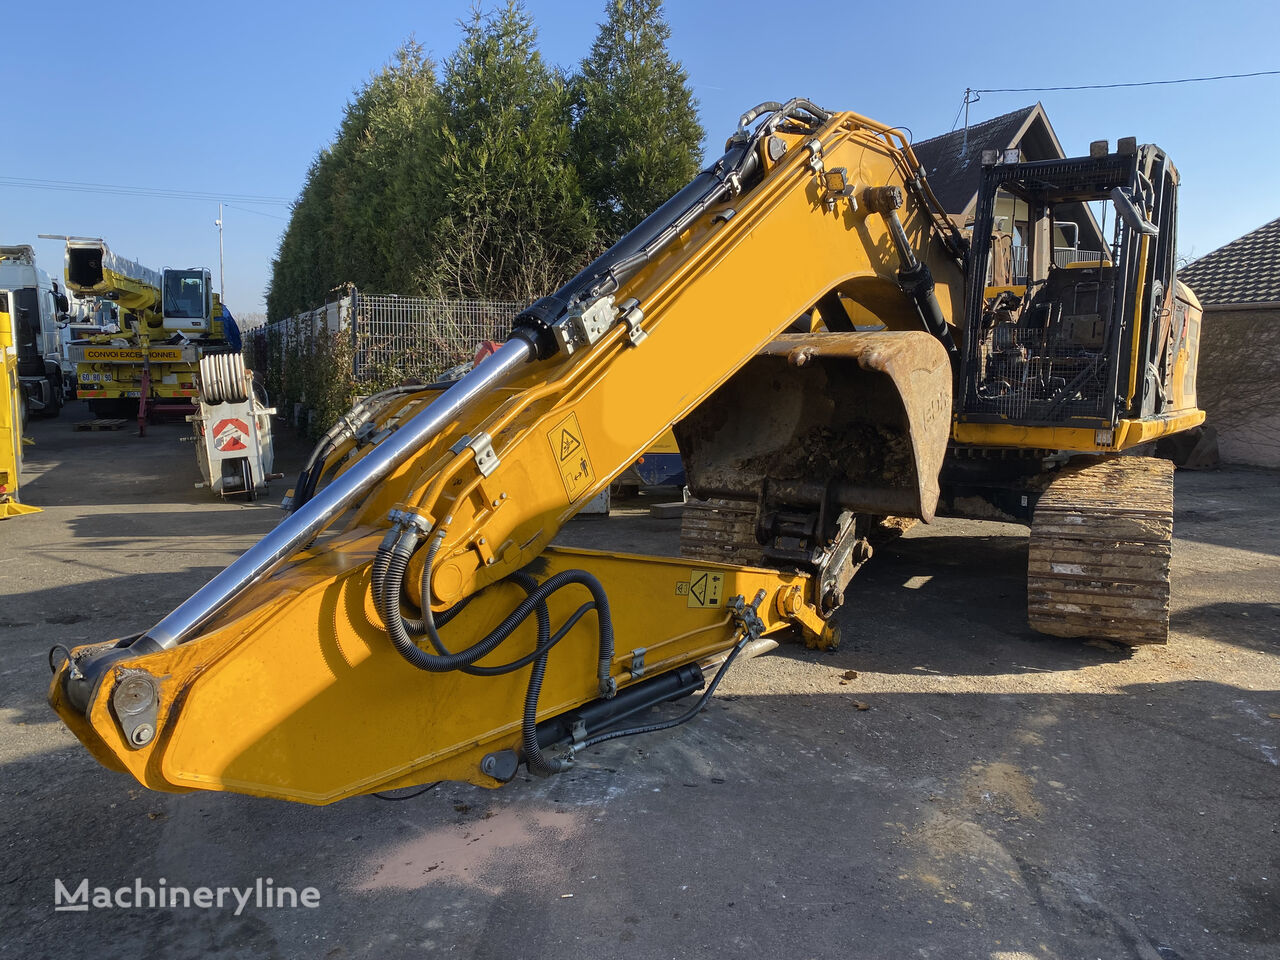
(1098, 562)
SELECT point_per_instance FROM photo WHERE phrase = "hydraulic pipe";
(724, 178)
(735, 172)
(913, 276)
(313, 517)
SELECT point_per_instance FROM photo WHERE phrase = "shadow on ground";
(929, 825)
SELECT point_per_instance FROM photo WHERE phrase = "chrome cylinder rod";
(299, 528)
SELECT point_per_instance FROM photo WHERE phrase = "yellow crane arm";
(412, 642)
(93, 270)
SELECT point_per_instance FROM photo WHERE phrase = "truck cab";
(188, 300)
(36, 307)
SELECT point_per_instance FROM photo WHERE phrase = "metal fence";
(397, 336)
(421, 336)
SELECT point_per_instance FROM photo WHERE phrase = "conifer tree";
(304, 263)
(384, 206)
(516, 222)
(366, 209)
(637, 139)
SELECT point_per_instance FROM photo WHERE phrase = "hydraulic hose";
(545, 639)
(387, 600)
(362, 412)
(387, 590)
(389, 566)
(535, 760)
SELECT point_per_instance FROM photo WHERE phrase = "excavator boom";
(409, 621)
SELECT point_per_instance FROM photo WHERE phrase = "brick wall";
(1239, 381)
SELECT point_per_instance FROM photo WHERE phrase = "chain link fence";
(357, 343)
(419, 336)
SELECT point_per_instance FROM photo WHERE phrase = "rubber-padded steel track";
(1098, 564)
(723, 531)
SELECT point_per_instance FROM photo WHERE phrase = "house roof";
(953, 162)
(1244, 271)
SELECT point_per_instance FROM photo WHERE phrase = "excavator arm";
(409, 620)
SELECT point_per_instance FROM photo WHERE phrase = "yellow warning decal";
(570, 451)
(705, 588)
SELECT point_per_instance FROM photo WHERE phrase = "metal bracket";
(379, 436)
(583, 328)
(814, 147)
(629, 312)
(407, 518)
(637, 663)
(486, 459)
(482, 446)
(364, 432)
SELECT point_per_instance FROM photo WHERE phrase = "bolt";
(480, 541)
(142, 734)
(502, 496)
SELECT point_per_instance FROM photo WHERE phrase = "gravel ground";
(1002, 796)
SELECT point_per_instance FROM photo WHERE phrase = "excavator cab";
(1080, 339)
(1082, 356)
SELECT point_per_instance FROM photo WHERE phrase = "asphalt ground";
(1002, 795)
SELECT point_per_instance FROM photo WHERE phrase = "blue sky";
(236, 98)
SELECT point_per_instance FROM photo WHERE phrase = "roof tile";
(1246, 270)
(953, 165)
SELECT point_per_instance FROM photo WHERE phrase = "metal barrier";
(421, 336)
(412, 336)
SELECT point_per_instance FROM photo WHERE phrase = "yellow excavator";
(826, 345)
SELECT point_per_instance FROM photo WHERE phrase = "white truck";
(37, 309)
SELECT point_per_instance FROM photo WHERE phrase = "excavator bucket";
(857, 421)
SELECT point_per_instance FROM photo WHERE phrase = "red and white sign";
(230, 435)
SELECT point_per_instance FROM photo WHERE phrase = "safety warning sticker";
(704, 587)
(230, 435)
(570, 451)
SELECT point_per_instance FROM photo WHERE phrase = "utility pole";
(222, 291)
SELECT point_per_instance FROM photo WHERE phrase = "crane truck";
(822, 339)
(168, 319)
